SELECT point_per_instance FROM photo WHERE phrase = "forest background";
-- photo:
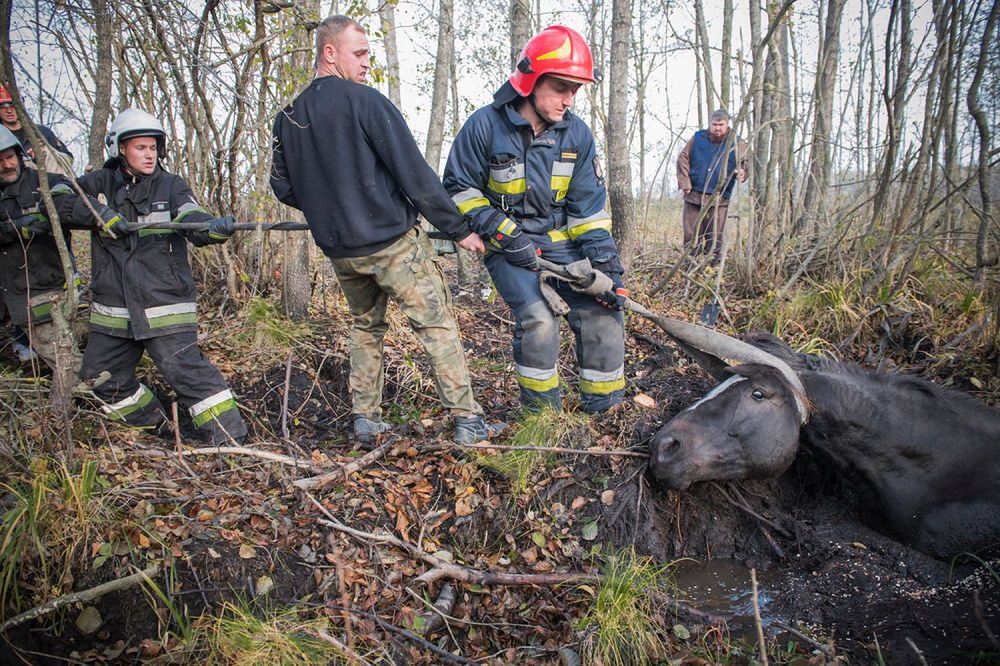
(870, 125)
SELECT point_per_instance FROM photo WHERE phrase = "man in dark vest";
(707, 170)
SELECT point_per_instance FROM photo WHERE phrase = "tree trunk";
(439, 102)
(520, 28)
(387, 15)
(814, 201)
(439, 96)
(987, 225)
(725, 72)
(295, 287)
(619, 169)
(64, 308)
(705, 55)
(104, 38)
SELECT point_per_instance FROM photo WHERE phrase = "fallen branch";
(439, 611)
(555, 449)
(351, 655)
(758, 622)
(442, 569)
(81, 597)
(825, 649)
(242, 451)
(345, 471)
(419, 640)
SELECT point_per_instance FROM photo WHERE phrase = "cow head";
(746, 427)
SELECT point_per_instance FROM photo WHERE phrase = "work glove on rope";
(221, 228)
(112, 223)
(518, 249)
(28, 226)
(613, 299)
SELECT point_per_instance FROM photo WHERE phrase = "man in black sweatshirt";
(344, 156)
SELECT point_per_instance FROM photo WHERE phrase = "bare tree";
(520, 27)
(705, 54)
(823, 93)
(726, 59)
(295, 292)
(439, 96)
(387, 15)
(104, 41)
(619, 167)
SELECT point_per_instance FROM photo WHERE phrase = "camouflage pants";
(406, 272)
(472, 273)
(44, 340)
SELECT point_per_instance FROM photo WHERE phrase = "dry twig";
(345, 471)
(81, 597)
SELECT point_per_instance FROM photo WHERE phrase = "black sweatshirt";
(344, 156)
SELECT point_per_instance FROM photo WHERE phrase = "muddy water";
(723, 587)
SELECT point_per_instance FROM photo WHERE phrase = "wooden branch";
(345, 471)
(351, 655)
(758, 623)
(241, 451)
(555, 449)
(81, 597)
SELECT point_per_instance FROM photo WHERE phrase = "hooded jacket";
(503, 177)
(31, 270)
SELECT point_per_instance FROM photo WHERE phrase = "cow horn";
(717, 344)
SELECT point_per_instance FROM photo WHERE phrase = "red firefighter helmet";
(558, 51)
(5, 94)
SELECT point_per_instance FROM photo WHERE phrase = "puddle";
(723, 587)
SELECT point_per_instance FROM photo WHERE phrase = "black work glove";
(30, 225)
(221, 228)
(615, 298)
(518, 250)
(111, 221)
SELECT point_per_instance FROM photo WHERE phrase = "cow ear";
(714, 366)
(754, 371)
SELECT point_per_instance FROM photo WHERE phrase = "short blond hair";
(330, 28)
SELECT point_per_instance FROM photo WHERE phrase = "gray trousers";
(704, 225)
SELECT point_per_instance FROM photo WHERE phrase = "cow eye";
(757, 395)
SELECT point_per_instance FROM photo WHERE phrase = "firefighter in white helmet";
(144, 296)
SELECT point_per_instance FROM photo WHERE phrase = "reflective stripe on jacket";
(142, 283)
(503, 177)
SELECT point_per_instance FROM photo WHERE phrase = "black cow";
(929, 458)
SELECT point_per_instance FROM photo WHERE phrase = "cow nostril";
(668, 446)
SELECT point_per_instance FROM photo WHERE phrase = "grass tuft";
(50, 515)
(238, 636)
(544, 428)
(620, 626)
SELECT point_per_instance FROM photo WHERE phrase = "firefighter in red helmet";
(525, 172)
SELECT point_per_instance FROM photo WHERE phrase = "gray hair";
(330, 28)
(719, 114)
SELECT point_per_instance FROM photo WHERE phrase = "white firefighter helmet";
(131, 123)
(8, 141)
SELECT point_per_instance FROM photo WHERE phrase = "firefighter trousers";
(199, 385)
(600, 341)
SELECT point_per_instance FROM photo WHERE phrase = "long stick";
(85, 595)
(240, 226)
